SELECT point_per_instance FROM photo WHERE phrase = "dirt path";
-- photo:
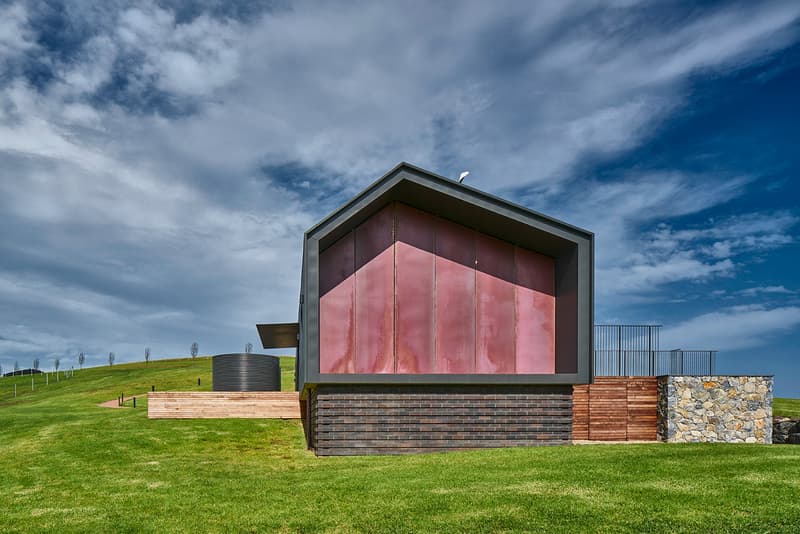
(115, 402)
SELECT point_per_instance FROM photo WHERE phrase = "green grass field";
(68, 465)
(786, 407)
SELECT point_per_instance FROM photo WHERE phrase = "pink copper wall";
(409, 293)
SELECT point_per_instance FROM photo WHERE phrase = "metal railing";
(653, 362)
(632, 350)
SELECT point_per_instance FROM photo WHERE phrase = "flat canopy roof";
(278, 335)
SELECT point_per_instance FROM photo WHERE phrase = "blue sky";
(159, 162)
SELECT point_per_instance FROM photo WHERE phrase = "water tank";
(246, 372)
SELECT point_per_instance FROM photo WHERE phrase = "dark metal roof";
(445, 197)
(278, 335)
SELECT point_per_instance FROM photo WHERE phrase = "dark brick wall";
(352, 419)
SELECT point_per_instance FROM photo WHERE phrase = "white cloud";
(192, 58)
(15, 35)
(166, 225)
(734, 328)
(765, 290)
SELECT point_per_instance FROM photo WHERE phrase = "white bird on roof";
(462, 176)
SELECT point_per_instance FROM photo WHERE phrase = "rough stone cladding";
(355, 420)
(733, 409)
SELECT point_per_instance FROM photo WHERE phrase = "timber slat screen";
(615, 409)
(632, 350)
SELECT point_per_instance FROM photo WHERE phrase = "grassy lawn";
(786, 407)
(68, 465)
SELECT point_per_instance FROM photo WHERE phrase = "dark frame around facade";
(572, 248)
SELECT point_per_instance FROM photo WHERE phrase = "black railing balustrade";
(632, 350)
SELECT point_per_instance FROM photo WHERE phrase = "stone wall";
(733, 409)
(786, 430)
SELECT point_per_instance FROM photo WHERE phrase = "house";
(434, 316)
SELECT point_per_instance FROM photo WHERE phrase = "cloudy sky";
(160, 161)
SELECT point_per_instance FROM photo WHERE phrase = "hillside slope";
(72, 466)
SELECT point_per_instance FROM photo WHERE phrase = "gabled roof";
(449, 199)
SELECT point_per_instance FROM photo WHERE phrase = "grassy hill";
(68, 465)
(786, 407)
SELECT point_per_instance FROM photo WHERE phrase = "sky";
(160, 161)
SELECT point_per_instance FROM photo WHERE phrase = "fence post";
(134, 402)
(31, 383)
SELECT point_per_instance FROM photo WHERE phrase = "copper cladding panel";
(414, 291)
(455, 299)
(495, 306)
(409, 293)
(336, 308)
(375, 294)
(535, 313)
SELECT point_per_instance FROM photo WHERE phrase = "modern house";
(435, 316)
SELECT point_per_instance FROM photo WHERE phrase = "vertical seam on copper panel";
(355, 303)
(514, 308)
(474, 301)
(394, 286)
(435, 336)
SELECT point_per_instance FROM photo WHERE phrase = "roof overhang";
(278, 335)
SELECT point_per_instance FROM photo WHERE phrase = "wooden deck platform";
(223, 405)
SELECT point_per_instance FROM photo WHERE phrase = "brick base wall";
(354, 420)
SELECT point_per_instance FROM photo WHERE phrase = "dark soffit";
(278, 335)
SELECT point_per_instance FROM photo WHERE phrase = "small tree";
(248, 348)
(111, 359)
(81, 359)
(56, 364)
(195, 347)
(146, 355)
(36, 363)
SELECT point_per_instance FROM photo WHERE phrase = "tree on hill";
(194, 348)
(36, 363)
(248, 348)
(111, 357)
(146, 355)
(81, 359)
(57, 363)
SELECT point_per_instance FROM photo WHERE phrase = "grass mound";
(68, 465)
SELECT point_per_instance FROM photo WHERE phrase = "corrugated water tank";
(246, 372)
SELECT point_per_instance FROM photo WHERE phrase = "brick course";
(361, 419)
